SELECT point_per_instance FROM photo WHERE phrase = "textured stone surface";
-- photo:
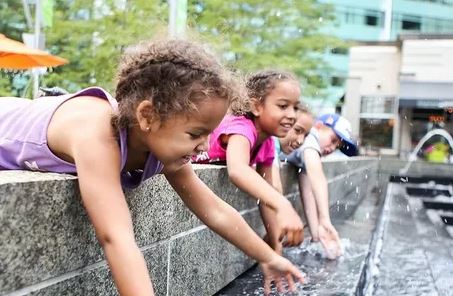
(98, 281)
(324, 277)
(46, 234)
(45, 231)
(202, 263)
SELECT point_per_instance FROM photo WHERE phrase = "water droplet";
(258, 202)
(367, 215)
(320, 19)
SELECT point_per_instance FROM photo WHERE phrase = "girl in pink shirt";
(244, 142)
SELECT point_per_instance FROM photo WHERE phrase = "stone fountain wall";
(48, 246)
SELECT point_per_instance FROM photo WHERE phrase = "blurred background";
(386, 65)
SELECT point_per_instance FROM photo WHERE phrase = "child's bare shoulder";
(80, 118)
(84, 110)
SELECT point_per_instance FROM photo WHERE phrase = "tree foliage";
(256, 34)
(92, 37)
(12, 24)
(250, 34)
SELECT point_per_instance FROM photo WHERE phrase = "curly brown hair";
(260, 84)
(176, 75)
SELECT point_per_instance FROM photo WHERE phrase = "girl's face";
(328, 140)
(297, 134)
(277, 113)
(176, 140)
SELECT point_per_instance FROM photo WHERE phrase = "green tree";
(92, 37)
(12, 25)
(251, 34)
(257, 34)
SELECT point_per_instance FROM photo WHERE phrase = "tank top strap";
(99, 92)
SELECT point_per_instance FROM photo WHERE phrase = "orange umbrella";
(17, 56)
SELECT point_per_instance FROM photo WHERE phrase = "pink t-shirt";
(238, 125)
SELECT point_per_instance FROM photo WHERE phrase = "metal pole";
(27, 14)
(177, 19)
(35, 72)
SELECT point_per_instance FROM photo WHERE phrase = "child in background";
(286, 145)
(245, 143)
(329, 132)
(291, 142)
(170, 95)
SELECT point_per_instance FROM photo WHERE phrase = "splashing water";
(430, 134)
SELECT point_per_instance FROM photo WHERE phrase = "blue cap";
(342, 129)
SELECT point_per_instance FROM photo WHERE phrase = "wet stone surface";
(417, 256)
(323, 276)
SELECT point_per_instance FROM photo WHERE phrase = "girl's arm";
(310, 208)
(276, 179)
(246, 178)
(326, 232)
(318, 182)
(97, 158)
(249, 181)
(228, 223)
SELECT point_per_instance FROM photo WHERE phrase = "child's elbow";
(115, 239)
(235, 174)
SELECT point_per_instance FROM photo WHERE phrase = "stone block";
(98, 280)
(202, 262)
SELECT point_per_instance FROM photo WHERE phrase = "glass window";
(411, 25)
(371, 20)
(337, 81)
(377, 105)
(376, 132)
(340, 50)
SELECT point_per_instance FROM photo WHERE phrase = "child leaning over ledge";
(170, 96)
(330, 131)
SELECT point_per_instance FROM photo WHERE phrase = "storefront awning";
(426, 95)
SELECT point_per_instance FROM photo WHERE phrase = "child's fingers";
(289, 238)
(267, 285)
(297, 274)
(282, 235)
(299, 237)
(279, 284)
(291, 285)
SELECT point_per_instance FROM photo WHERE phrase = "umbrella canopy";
(17, 56)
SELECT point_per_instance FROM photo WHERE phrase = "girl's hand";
(290, 226)
(279, 270)
(329, 239)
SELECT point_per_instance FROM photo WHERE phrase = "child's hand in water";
(291, 228)
(279, 270)
(329, 239)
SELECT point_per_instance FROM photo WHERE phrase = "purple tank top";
(23, 137)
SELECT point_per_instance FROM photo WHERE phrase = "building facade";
(379, 20)
(398, 91)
